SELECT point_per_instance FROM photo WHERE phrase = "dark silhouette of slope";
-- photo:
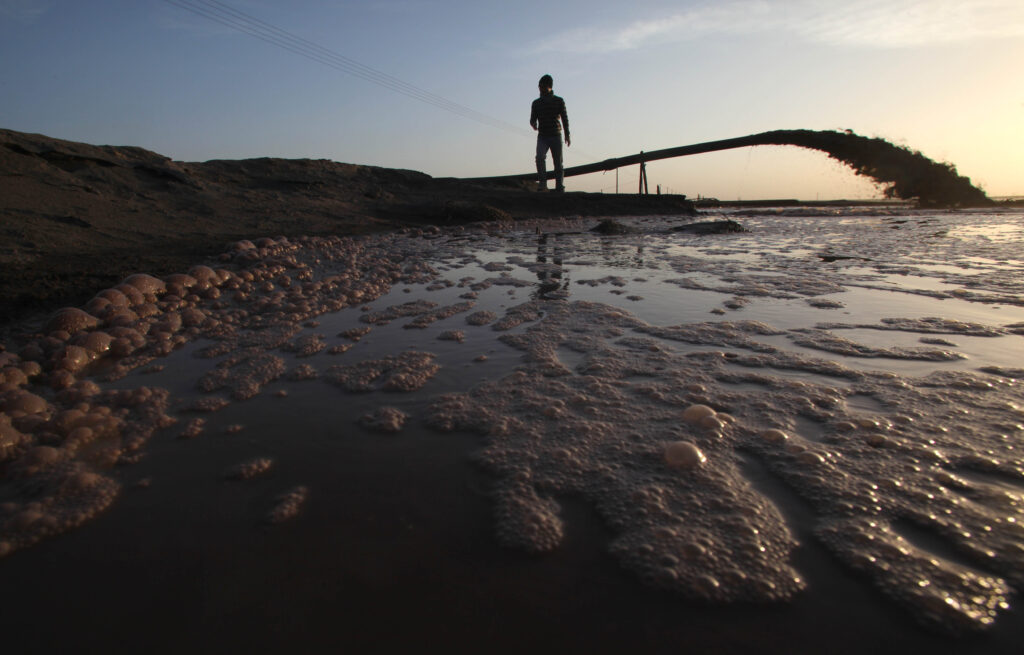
(903, 173)
(76, 218)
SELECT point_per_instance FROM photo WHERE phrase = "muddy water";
(504, 481)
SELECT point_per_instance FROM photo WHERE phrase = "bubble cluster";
(482, 317)
(60, 450)
(193, 428)
(209, 404)
(1015, 373)
(384, 419)
(950, 596)
(825, 303)
(528, 521)
(613, 280)
(385, 316)
(426, 318)
(452, 335)
(516, 316)
(822, 340)
(306, 345)
(303, 372)
(288, 505)
(250, 469)
(61, 436)
(355, 334)
(928, 325)
(408, 371)
(665, 485)
(742, 286)
(245, 377)
(739, 334)
(649, 438)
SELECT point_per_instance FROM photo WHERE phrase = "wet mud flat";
(529, 436)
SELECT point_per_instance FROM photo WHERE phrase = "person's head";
(546, 83)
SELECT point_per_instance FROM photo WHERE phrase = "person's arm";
(533, 116)
(564, 115)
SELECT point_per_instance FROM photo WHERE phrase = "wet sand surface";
(535, 477)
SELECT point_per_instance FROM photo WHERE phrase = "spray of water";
(901, 172)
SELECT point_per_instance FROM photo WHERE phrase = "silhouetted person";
(544, 117)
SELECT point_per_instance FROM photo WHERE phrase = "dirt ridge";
(76, 218)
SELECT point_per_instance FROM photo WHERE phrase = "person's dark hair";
(546, 82)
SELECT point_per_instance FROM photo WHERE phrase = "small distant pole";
(616, 180)
(659, 189)
(642, 183)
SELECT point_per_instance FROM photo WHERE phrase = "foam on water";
(638, 373)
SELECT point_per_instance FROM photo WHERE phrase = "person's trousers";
(554, 144)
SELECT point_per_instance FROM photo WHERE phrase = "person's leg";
(556, 157)
(542, 153)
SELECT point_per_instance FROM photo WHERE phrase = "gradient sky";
(940, 76)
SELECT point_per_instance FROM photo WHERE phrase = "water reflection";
(552, 278)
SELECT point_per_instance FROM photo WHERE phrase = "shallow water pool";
(486, 438)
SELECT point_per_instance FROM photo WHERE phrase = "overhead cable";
(237, 20)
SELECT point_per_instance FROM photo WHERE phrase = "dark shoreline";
(77, 218)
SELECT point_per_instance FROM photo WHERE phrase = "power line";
(228, 16)
(237, 20)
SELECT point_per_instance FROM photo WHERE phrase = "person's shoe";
(559, 189)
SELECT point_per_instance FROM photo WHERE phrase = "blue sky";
(936, 75)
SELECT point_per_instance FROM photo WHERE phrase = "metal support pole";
(643, 175)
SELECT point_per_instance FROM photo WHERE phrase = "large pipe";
(619, 162)
(905, 173)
